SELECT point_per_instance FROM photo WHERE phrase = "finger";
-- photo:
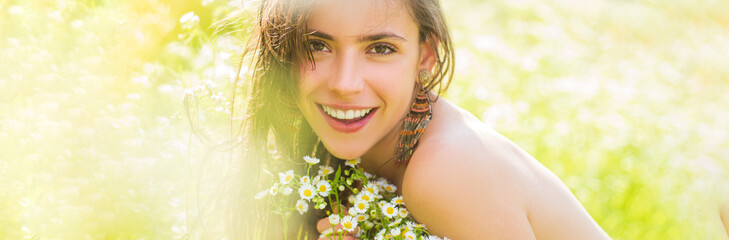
(323, 224)
(333, 237)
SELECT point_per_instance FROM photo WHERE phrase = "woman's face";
(367, 56)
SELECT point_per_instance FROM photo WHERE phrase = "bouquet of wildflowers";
(376, 212)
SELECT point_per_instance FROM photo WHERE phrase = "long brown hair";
(277, 45)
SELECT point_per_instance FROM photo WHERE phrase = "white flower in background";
(395, 223)
(316, 180)
(302, 206)
(307, 191)
(380, 235)
(334, 219)
(261, 194)
(341, 187)
(323, 188)
(304, 180)
(352, 211)
(349, 223)
(326, 233)
(382, 204)
(395, 231)
(361, 217)
(390, 188)
(368, 175)
(389, 210)
(325, 170)
(397, 200)
(311, 160)
(361, 206)
(403, 213)
(409, 235)
(352, 162)
(286, 177)
(433, 237)
(287, 191)
(273, 190)
(371, 188)
(189, 20)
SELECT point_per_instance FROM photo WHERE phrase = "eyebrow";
(363, 38)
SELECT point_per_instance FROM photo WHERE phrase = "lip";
(346, 127)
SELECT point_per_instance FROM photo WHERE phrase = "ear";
(428, 53)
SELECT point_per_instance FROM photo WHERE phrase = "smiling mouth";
(346, 116)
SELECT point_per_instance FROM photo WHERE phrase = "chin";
(345, 152)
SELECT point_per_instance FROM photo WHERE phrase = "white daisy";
(380, 235)
(302, 206)
(361, 217)
(325, 170)
(261, 194)
(364, 196)
(348, 223)
(316, 180)
(273, 190)
(323, 188)
(389, 210)
(286, 177)
(410, 235)
(307, 191)
(326, 233)
(334, 219)
(352, 162)
(368, 175)
(433, 237)
(361, 206)
(403, 213)
(311, 160)
(390, 188)
(305, 179)
(287, 191)
(397, 200)
(381, 204)
(395, 231)
(395, 223)
(352, 211)
(371, 188)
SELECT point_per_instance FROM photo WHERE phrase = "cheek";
(310, 78)
(392, 81)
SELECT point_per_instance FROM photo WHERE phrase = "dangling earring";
(415, 122)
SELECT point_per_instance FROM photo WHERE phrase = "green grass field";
(624, 100)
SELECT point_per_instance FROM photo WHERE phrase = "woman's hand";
(324, 225)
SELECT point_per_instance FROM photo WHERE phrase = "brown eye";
(318, 46)
(382, 49)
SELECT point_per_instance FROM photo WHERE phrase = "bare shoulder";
(467, 181)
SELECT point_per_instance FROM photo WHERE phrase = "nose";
(346, 79)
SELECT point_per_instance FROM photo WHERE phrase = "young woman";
(363, 77)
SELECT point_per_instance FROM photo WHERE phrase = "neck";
(379, 160)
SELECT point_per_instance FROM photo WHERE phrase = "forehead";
(351, 18)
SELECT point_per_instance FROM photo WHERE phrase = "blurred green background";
(624, 100)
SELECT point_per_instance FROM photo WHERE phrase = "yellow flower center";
(307, 192)
(322, 188)
(398, 201)
(365, 197)
(288, 178)
(347, 225)
(390, 210)
(371, 190)
(389, 188)
(361, 206)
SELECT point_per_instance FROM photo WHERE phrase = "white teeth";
(348, 114)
